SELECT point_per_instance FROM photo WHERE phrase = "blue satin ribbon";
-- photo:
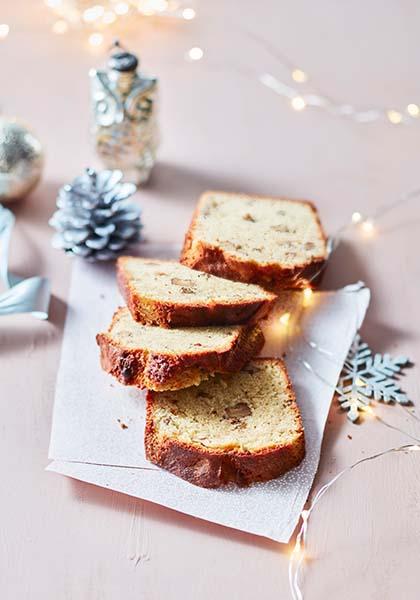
(30, 295)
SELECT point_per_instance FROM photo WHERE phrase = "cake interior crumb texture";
(195, 340)
(170, 281)
(248, 411)
(267, 230)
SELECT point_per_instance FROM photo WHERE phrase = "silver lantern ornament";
(124, 111)
(21, 160)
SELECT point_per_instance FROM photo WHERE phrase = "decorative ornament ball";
(21, 160)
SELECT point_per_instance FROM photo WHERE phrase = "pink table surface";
(64, 539)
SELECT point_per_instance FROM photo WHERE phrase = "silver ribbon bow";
(30, 295)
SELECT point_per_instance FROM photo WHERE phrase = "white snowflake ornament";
(366, 377)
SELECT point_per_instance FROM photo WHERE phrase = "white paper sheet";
(88, 442)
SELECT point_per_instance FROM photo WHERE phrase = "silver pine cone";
(95, 218)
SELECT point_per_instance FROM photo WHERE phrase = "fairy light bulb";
(368, 227)
(307, 296)
(121, 8)
(298, 552)
(188, 14)
(109, 17)
(4, 30)
(151, 7)
(305, 515)
(394, 116)
(299, 76)
(159, 5)
(413, 110)
(356, 217)
(284, 319)
(195, 53)
(96, 39)
(93, 13)
(298, 103)
(60, 27)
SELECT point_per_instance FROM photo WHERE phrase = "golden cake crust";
(199, 254)
(212, 468)
(143, 368)
(153, 311)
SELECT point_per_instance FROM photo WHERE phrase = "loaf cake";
(239, 428)
(170, 359)
(168, 294)
(274, 242)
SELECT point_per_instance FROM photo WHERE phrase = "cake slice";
(274, 242)
(168, 294)
(240, 428)
(170, 359)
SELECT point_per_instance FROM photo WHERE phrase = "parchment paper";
(97, 430)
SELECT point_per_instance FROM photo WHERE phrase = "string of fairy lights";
(299, 100)
(290, 323)
(298, 554)
(295, 87)
(98, 17)
(299, 92)
(368, 225)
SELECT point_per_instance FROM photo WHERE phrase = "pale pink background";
(64, 539)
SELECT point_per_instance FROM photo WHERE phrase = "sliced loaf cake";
(275, 242)
(240, 428)
(168, 294)
(170, 359)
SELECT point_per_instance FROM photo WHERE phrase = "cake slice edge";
(203, 256)
(211, 468)
(161, 371)
(166, 314)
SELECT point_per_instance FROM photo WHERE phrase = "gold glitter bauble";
(21, 160)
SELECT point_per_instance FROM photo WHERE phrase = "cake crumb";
(122, 424)
(349, 436)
